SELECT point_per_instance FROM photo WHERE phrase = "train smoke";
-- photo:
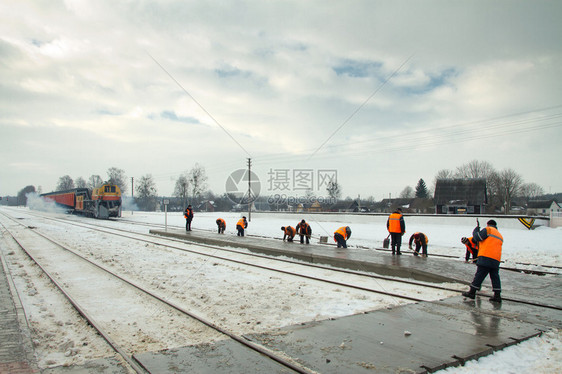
(36, 202)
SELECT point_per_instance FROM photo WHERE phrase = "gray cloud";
(280, 78)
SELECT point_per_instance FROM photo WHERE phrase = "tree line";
(503, 186)
(189, 187)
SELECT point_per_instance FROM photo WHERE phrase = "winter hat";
(464, 240)
(492, 223)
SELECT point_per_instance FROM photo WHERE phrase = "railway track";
(63, 285)
(127, 355)
(460, 258)
(216, 254)
(150, 239)
(280, 262)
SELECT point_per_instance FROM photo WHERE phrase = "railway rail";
(219, 253)
(129, 356)
(165, 242)
(508, 268)
(150, 239)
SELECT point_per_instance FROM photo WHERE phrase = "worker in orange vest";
(420, 239)
(304, 230)
(221, 224)
(241, 225)
(341, 236)
(396, 227)
(471, 248)
(489, 257)
(188, 215)
(288, 233)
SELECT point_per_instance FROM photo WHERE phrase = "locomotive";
(101, 202)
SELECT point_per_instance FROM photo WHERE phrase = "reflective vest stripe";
(342, 232)
(491, 247)
(394, 223)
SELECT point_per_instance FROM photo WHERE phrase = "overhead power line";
(198, 104)
(361, 106)
(426, 137)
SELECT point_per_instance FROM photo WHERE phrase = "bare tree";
(198, 180)
(117, 176)
(475, 169)
(442, 174)
(94, 182)
(80, 183)
(531, 190)
(334, 190)
(182, 188)
(65, 183)
(146, 193)
(407, 193)
(503, 186)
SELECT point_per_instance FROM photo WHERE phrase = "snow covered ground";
(540, 246)
(540, 355)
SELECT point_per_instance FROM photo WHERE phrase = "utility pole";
(132, 193)
(249, 189)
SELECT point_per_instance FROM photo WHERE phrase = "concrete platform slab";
(100, 366)
(411, 338)
(533, 288)
(414, 338)
(225, 356)
(354, 259)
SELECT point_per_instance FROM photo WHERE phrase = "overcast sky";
(381, 92)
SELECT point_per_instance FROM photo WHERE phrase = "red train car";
(102, 202)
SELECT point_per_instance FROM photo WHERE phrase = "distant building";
(390, 205)
(543, 207)
(460, 196)
(206, 206)
(345, 206)
(315, 207)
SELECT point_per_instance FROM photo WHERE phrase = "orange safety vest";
(221, 222)
(421, 237)
(241, 223)
(303, 228)
(290, 231)
(474, 245)
(491, 247)
(188, 213)
(394, 223)
(342, 232)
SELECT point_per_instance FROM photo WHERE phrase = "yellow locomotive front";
(107, 200)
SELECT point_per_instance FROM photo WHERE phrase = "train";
(102, 202)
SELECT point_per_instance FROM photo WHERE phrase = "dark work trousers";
(302, 239)
(474, 254)
(240, 230)
(481, 273)
(340, 240)
(221, 229)
(188, 224)
(396, 241)
(423, 247)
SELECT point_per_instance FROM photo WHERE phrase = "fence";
(555, 219)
